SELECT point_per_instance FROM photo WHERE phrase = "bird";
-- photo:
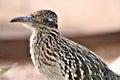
(58, 58)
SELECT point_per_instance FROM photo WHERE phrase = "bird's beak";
(22, 19)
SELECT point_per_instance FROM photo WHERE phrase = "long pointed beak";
(22, 19)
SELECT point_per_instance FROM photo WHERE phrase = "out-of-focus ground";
(115, 66)
(92, 23)
(24, 70)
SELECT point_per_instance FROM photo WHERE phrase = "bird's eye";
(50, 19)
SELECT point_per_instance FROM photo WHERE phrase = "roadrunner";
(58, 58)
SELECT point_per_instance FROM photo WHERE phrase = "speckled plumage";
(58, 58)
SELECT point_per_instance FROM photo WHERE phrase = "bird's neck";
(42, 43)
(44, 38)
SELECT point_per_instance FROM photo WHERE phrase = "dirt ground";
(24, 70)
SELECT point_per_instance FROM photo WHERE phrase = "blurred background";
(92, 23)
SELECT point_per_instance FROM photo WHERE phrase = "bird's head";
(42, 18)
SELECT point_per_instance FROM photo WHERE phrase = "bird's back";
(84, 64)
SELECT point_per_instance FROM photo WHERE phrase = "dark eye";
(50, 22)
(50, 19)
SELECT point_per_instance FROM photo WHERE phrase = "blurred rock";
(115, 65)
